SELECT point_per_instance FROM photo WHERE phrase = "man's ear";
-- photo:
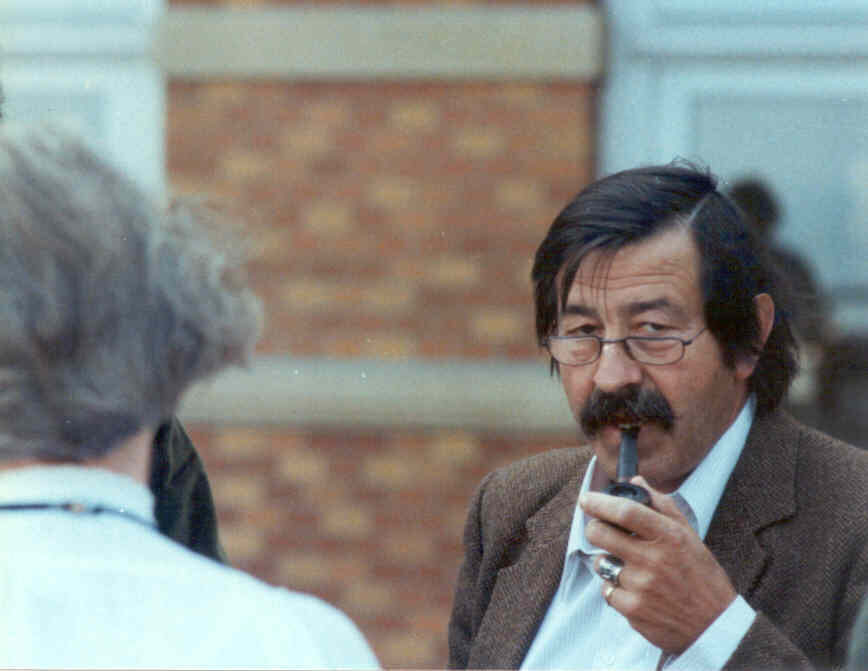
(764, 305)
(765, 314)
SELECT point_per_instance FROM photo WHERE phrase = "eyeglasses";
(651, 350)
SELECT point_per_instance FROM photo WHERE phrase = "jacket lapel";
(760, 492)
(524, 590)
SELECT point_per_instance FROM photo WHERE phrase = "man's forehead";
(666, 264)
(669, 252)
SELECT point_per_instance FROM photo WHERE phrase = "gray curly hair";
(110, 306)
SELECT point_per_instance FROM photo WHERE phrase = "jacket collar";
(524, 589)
(760, 492)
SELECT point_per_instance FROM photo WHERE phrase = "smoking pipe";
(628, 466)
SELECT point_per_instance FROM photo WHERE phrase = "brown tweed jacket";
(791, 530)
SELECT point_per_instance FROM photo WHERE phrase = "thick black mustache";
(632, 405)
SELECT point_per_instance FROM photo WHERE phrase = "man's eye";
(653, 328)
(580, 330)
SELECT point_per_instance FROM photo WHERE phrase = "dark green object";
(183, 504)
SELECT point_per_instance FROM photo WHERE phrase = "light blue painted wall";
(775, 88)
(89, 65)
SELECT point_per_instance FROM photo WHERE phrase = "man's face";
(651, 288)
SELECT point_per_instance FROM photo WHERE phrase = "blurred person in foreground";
(659, 310)
(109, 309)
(183, 504)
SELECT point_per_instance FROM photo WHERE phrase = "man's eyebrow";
(665, 304)
(580, 310)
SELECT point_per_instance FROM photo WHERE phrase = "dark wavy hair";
(629, 206)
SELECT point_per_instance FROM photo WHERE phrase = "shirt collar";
(702, 489)
(79, 484)
(698, 495)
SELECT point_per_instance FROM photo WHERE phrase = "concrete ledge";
(365, 42)
(495, 397)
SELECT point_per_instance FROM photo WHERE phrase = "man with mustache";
(659, 308)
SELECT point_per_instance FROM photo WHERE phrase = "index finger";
(628, 515)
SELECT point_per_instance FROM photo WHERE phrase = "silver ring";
(610, 568)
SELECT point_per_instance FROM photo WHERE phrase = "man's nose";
(616, 368)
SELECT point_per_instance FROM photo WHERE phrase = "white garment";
(97, 591)
(581, 631)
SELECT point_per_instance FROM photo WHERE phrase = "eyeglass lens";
(573, 351)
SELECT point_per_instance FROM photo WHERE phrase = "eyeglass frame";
(606, 341)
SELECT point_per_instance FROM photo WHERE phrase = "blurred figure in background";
(110, 308)
(801, 296)
(831, 390)
(843, 389)
(182, 495)
(806, 305)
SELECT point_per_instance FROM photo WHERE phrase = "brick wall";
(391, 220)
(371, 522)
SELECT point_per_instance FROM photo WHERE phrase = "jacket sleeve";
(184, 506)
(465, 606)
(767, 646)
